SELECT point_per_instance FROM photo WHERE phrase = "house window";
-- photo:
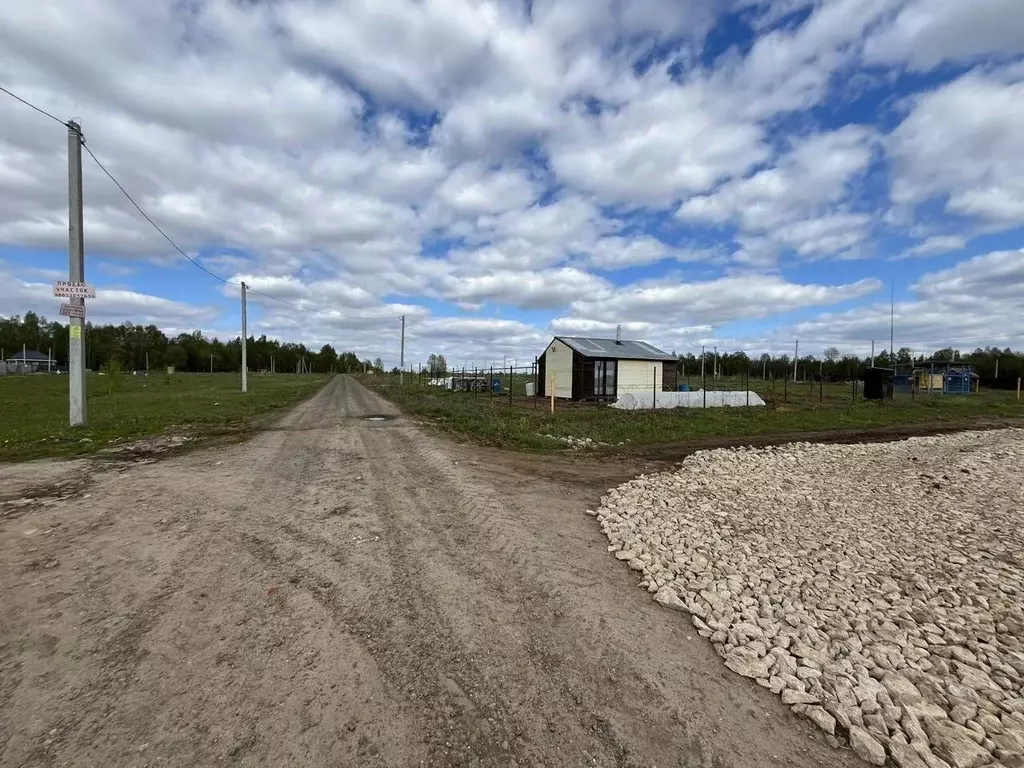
(605, 373)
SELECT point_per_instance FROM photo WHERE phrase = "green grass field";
(792, 408)
(34, 408)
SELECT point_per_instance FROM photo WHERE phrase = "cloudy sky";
(730, 172)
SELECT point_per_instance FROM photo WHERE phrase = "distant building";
(604, 369)
(946, 376)
(30, 361)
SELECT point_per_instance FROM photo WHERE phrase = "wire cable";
(40, 110)
(145, 215)
(249, 289)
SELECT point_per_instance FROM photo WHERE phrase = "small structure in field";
(879, 383)
(946, 376)
(604, 369)
(29, 361)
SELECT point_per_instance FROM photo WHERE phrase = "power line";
(145, 215)
(167, 237)
(224, 280)
(40, 110)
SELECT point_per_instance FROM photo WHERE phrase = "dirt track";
(344, 592)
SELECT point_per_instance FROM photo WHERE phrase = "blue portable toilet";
(495, 385)
(684, 387)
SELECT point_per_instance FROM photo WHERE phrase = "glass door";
(605, 374)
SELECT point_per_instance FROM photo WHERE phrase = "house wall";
(639, 376)
(558, 361)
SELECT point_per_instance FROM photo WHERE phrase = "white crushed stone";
(878, 589)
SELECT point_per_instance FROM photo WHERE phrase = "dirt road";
(348, 592)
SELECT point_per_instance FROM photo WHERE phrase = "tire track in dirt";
(341, 592)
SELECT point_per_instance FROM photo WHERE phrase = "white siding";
(636, 376)
(558, 361)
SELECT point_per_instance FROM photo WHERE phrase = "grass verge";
(34, 408)
(793, 410)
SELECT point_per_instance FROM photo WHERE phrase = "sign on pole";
(72, 310)
(73, 289)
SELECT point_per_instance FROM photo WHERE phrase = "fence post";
(654, 389)
(551, 381)
(510, 385)
(748, 385)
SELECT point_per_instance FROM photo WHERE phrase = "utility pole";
(702, 362)
(401, 359)
(211, 363)
(997, 366)
(892, 325)
(76, 274)
(716, 363)
(245, 372)
(796, 357)
(872, 353)
(147, 362)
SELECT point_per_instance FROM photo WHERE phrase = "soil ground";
(341, 591)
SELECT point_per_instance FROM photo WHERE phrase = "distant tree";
(437, 365)
(831, 354)
(379, 365)
(176, 356)
(905, 355)
(326, 359)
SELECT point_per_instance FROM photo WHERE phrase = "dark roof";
(609, 348)
(31, 356)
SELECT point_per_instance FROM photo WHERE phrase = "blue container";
(496, 385)
(684, 387)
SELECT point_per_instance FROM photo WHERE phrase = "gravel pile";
(878, 589)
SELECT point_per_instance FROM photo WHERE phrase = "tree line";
(995, 367)
(131, 347)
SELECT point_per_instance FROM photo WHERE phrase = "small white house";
(604, 369)
(29, 361)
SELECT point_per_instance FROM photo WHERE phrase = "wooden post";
(654, 389)
(1018, 387)
(510, 374)
(551, 382)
